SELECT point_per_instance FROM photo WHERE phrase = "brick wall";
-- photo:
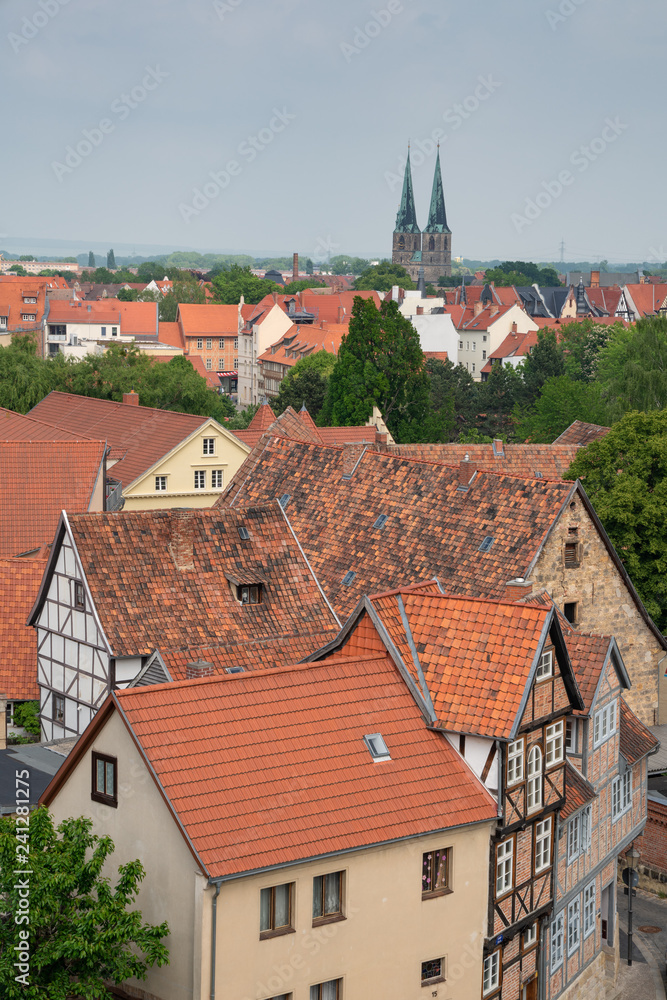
(652, 844)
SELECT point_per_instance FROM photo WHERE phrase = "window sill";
(432, 982)
(436, 893)
(265, 935)
(104, 799)
(331, 918)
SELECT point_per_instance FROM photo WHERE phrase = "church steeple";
(437, 216)
(406, 218)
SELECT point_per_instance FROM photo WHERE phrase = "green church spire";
(437, 217)
(406, 218)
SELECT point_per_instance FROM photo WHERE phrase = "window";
(571, 554)
(58, 708)
(474, 345)
(589, 909)
(483, 355)
(484, 338)
(545, 667)
(573, 926)
(543, 844)
(377, 746)
(504, 867)
(79, 595)
(435, 872)
(29, 317)
(573, 838)
(208, 446)
(473, 366)
(200, 343)
(557, 942)
(328, 897)
(3, 322)
(604, 724)
(460, 345)
(326, 991)
(571, 612)
(209, 343)
(200, 479)
(27, 299)
(275, 909)
(249, 593)
(114, 331)
(534, 784)
(209, 364)
(571, 736)
(236, 343)
(221, 344)
(221, 364)
(160, 484)
(216, 479)
(105, 779)
(554, 743)
(467, 345)
(491, 975)
(621, 794)
(235, 364)
(515, 762)
(432, 972)
(529, 936)
(586, 819)
(103, 331)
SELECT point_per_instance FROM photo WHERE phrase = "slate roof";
(527, 461)
(270, 768)
(580, 433)
(636, 739)
(39, 479)
(139, 435)
(161, 579)
(19, 583)
(578, 791)
(432, 527)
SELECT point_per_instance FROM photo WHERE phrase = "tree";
(306, 382)
(496, 400)
(26, 715)
(81, 930)
(625, 475)
(381, 363)
(581, 342)
(24, 377)
(309, 266)
(26, 256)
(453, 392)
(521, 272)
(91, 259)
(344, 264)
(242, 418)
(633, 365)
(127, 294)
(111, 260)
(561, 401)
(292, 287)
(382, 277)
(181, 291)
(230, 284)
(544, 361)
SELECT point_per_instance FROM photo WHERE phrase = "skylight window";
(486, 544)
(234, 670)
(348, 578)
(244, 533)
(284, 500)
(377, 746)
(381, 521)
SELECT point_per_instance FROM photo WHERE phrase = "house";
(146, 596)
(301, 427)
(77, 328)
(369, 521)
(645, 299)
(211, 332)
(432, 321)
(512, 351)
(158, 458)
(23, 305)
(316, 837)
(483, 328)
(19, 585)
(296, 343)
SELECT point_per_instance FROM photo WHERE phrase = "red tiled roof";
(288, 424)
(21, 427)
(39, 480)
(103, 311)
(588, 654)
(13, 307)
(19, 583)
(300, 341)
(145, 600)
(580, 433)
(269, 768)
(170, 333)
(546, 461)
(578, 791)
(140, 435)
(606, 298)
(139, 319)
(208, 319)
(636, 739)
(515, 345)
(647, 298)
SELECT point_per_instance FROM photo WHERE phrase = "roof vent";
(486, 544)
(244, 533)
(234, 670)
(381, 521)
(348, 578)
(377, 746)
(284, 500)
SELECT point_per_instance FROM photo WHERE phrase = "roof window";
(244, 533)
(284, 500)
(348, 578)
(381, 521)
(377, 746)
(234, 670)
(486, 544)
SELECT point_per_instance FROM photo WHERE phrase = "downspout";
(214, 916)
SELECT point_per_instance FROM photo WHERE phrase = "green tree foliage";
(26, 715)
(181, 291)
(235, 281)
(242, 418)
(306, 382)
(128, 294)
(453, 393)
(544, 361)
(18, 269)
(382, 277)
(581, 343)
(521, 272)
(496, 399)
(26, 256)
(345, 264)
(381, 363)
(633, 366)
(625, 475)
(82, 930)
(102, 276)
(24, 378)
(561, 401)
(152, 270)
(111, 260)
(91, 259)
(292, 287)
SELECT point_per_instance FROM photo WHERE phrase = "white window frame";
(216, 479)
(491, 973)
(589, 909)
(573, 838)
(571, 741)
(515, 760)
(545, 667)
(621, 794)
(543, 844)
(530, 936)
(586, 824)
(557, 940)
(209, 343)
(573, 926)
(221, 344)
(200, 479)
(208, 446)
(534, 792)
(555, 743)
(160, 484)
(209, 364)
(200, 343)
(504, 867)
(604, 724)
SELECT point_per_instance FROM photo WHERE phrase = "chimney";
(514, 328)
(477, 308)
(351, 455)
(181, 546)
(465, 473)
(517, 589)
(324, 325)
(197, 669)
(131, 397)
(595, 279)
(394, 293)
(295, 267)
(420, 310)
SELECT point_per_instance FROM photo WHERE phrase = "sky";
(268, 126)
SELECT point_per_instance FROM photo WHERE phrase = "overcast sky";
(302, 109)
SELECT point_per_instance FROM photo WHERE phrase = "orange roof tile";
(170, 333)
(647, 298)
(288, 424)
(208, 319)
(541, 461)
(21, 427)
(581, 433)
(636, 739)
(578, 791)
(301, 341)
(40, 479)
(19, 583)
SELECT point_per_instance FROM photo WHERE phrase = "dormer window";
(249, 593)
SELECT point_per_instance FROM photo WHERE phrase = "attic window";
(381, 521)
(571, 554)
(234, 670)
(284, 500)
(79, 595)
(377, 746)
(244, 533)
(348, 578)
(498, 449)
(486, 544)
(538, 475)
(249, 593)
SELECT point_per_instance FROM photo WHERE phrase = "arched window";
(431, 242)
(401, 243)
(534, 783)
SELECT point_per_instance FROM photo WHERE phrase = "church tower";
(437, 238)
(407, 244)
